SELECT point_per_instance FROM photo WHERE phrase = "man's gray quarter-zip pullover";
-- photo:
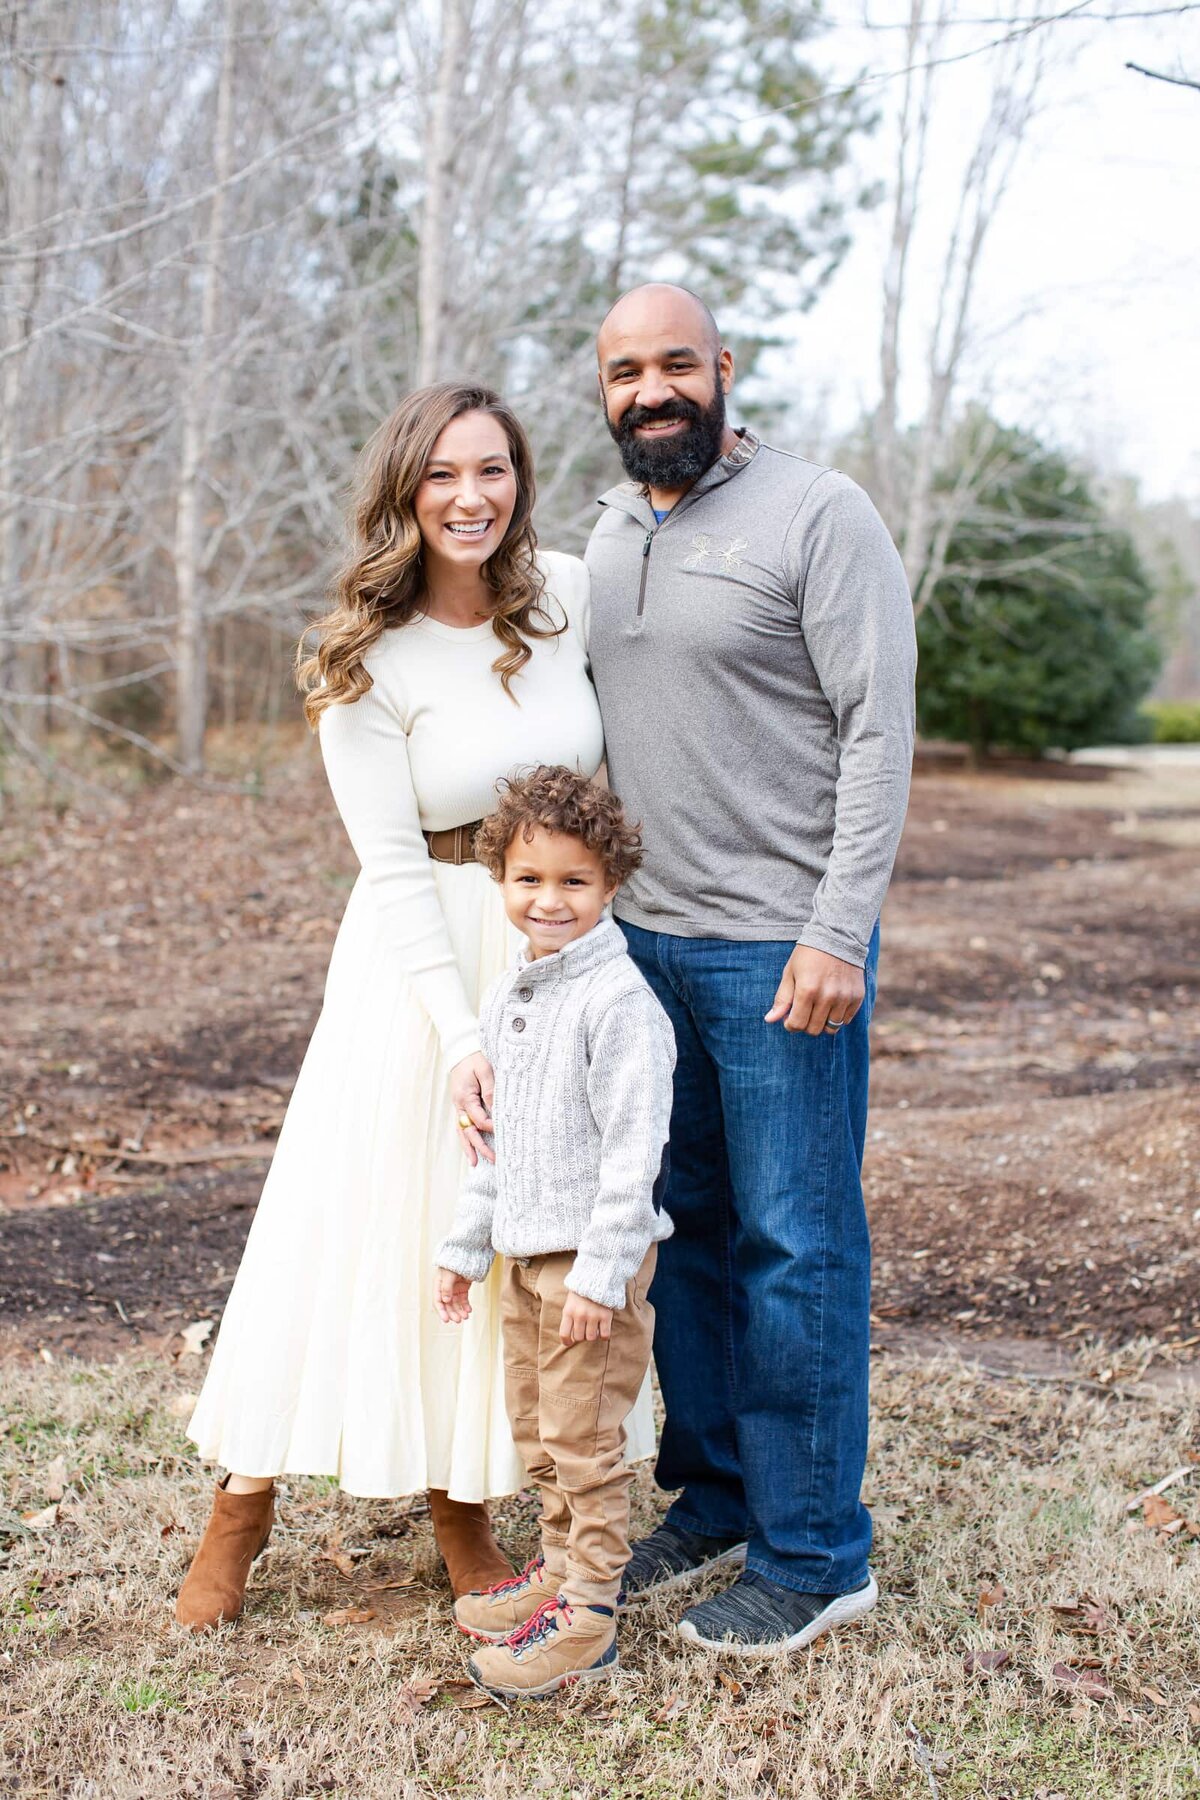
(754, 657)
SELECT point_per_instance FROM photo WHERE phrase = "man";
(753, 649)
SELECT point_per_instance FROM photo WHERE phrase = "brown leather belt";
(454, 846)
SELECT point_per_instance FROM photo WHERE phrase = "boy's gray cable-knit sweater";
(583, 1055)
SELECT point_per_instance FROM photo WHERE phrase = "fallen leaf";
(56, 1479)
(1083, 1614)
(988, 1597)
(342, 1563)
(349, 1615)
(296, 1677)
(729, 1683)
(386, 1587)
(182, 1406)
(470, 1702)
(1194, 1714)
(1159, 1515)
(671, 1708)
(41, 1521)
(170, 1528)
(1153, 1694)
(195, 1337)
(415, 1693)
(1081, 1681)
(47, 1356)
(985, 1662)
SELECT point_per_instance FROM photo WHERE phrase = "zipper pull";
(641, 601)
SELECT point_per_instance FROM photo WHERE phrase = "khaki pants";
(567, 1405)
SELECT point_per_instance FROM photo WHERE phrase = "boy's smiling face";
(555, 889)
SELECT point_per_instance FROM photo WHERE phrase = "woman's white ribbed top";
(423, 750)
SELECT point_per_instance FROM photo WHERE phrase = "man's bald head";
(660, 306)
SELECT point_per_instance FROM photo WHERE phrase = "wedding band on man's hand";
(833, 1026)
(464, 1121)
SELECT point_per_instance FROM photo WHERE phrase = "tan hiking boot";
(494, 1612)
(561, 1644)
(236, 1533)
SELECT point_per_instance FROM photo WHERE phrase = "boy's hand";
(584, 1321)
(450, 1293)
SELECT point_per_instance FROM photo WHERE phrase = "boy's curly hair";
(560, 799)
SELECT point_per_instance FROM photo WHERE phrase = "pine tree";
(1038, 633)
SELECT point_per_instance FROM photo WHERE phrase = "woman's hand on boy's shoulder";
(451, 1297)
(583, 1320)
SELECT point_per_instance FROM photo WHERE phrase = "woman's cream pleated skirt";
(330, 1358)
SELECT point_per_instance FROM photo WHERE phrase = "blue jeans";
(763, 1293)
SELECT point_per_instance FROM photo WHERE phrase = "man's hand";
(472, 1085)
(450, 1296)
(816, 991)
(583, 1320)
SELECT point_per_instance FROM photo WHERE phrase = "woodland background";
(232, 234)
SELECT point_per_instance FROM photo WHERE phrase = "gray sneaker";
(756, 1615)
(670, 1556)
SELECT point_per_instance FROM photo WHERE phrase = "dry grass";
(975, 1482)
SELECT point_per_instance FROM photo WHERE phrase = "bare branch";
(1157, 75)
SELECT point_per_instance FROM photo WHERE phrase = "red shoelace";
(516, 1581)
(539, 1625)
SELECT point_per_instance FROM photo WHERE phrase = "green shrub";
(1174, 721)
(1038, 635)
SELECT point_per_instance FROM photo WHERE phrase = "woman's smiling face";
(466, 496)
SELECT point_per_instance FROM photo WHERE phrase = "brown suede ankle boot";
(473, 1558)
(237, 1532)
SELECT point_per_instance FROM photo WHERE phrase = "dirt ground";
(1034, 1142)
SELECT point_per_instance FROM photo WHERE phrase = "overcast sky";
(1089, 308)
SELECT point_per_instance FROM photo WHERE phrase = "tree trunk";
(191, 640)
(34, 92)
(437, 213)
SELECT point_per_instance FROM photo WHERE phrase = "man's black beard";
(677, 461)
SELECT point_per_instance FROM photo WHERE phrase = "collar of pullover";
(630, 497)
(579, 957)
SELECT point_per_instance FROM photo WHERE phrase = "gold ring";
(464, 1121)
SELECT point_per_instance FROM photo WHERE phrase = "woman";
(453, 655)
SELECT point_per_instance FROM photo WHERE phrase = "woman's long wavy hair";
(382, 582)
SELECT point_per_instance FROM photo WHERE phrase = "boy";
(583, 1055)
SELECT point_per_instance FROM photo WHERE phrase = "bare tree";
(29, 192)
(201, 399)
(921, 506)
(437, 213)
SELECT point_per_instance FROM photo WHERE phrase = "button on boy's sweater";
(583, 1055)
